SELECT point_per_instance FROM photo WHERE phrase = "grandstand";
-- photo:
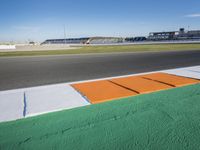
(174, 35)
(153, 36)
(158, 36)
(135, 39)
(67, 41)
(90, 40)
(105, 40)
(194, 34)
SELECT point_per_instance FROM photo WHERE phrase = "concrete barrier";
(7, 47)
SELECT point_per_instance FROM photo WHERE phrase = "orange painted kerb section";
(174, 80)
(141, 85)
(105, 90)
(100, 91)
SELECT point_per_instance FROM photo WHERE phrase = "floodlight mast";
(188, 28)
(64, 34)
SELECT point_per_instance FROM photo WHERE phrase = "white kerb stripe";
(11, 106)
(191, 72)
(50, 99)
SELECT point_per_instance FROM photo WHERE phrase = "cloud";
(197, 15)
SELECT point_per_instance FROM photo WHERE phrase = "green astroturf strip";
(162, 120)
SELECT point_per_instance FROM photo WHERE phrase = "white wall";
(7, 47)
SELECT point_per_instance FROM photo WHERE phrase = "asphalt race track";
(21, 72)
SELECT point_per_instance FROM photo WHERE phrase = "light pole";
(64, 35)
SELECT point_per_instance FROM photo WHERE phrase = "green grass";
(107, 49)
(165, 120)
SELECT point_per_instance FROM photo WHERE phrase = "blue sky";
(23, 20)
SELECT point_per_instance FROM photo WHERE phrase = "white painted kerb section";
(11, 106)
(17, 104)
(50, 99)
(191, 72)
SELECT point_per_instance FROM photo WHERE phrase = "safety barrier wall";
(7, 47)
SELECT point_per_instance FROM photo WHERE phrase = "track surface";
(20, 72)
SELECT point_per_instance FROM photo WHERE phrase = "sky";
(38, 20)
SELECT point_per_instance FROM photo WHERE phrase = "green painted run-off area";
(162, 120)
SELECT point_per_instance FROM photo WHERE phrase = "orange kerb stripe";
(101, 91)
(140, 85)
(170, 79)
